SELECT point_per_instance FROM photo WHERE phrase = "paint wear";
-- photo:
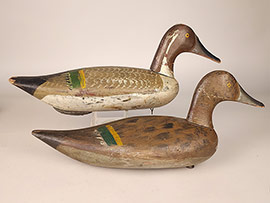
(75, 79)
(165, 70)
(115, 102)
(102, 160)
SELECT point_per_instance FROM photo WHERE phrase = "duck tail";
(28, 84)
(51, 137)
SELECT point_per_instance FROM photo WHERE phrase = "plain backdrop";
(43, 37)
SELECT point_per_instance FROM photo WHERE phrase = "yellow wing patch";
(82, 79)
(115, 135)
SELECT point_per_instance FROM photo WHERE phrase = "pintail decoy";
(84, 90)
(154, 141)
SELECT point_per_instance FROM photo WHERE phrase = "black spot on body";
(163, 136)
(168, 125)
(149, 129)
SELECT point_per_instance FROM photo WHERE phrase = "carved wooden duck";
(154, 141)
(84, 90)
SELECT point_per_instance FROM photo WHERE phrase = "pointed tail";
(28, 84)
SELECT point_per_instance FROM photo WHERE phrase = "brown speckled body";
(148, 142)
(154, 141)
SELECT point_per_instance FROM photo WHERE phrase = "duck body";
(154, 141)
(105, 88)
(84, 90)
(137, 142)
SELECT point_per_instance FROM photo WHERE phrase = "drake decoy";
(154, 141)
(84, 90)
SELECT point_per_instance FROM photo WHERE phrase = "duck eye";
(187, 35)
(229, 84)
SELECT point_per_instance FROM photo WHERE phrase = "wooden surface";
(136, 142)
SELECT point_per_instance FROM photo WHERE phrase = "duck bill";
(247, 99)
(202, 51)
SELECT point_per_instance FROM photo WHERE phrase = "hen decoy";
(154, 141)
(84, 90)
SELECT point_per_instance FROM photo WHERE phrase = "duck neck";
(202, 107)
(165, 56)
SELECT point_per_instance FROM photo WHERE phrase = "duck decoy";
(84, 90)
(154, 141)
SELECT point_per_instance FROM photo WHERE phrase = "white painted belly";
(116, 102)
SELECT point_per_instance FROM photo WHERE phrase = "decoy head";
(178, 39)
(215, 87)
(222, 86)
(188, 41)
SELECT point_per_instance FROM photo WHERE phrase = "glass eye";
(229, 84)
(187, 35)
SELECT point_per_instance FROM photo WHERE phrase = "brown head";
(178, 39)
(215, 87)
